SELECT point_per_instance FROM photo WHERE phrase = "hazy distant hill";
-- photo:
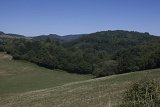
(58, 37)
(9, 35)
(50, 36)
(16, 35)
(65, 38)
(2, 33)
(72, 37)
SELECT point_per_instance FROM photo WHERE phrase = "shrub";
(145, 93)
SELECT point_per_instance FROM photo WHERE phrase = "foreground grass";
(33, 86)
(22, 76)
(101, 92)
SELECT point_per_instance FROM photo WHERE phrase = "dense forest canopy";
(101, 53)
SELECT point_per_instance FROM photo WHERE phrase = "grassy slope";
(101, 92)
(22, 76)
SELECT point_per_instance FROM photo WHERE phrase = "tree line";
(100, 54)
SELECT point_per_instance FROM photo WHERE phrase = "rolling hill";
(24, 84)
(66, 38)
(111, 41)
(22, 76)
(94, 53)
(100, 92)
(10, 35)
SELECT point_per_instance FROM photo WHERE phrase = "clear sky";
(35, 17)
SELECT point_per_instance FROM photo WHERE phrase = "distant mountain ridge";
(72, 37)
(50, 36)
(10, 35)
(58, 37)
(43, 37)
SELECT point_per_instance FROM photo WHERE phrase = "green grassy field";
(70, 92)
(22, 76)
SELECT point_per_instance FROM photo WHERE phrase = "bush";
(145, 93)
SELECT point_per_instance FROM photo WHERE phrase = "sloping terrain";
(24, 84)
(94, 53)
(111, 41)
(65, 38)
(100, 92)
(21, 76)
(9, 35)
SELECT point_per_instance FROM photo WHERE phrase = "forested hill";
(111, 41)
(101, 53)
(50, 36)
(9, 35)
(65, 38)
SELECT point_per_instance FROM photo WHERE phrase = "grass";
(22, 76)
(100, 92)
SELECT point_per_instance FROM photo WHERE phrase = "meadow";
(29, 85)
(21, 76)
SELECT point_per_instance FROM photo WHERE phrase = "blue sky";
(35, 17)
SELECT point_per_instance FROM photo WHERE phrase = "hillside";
(24, 84)
(140, 57)
(10, 35)
(22, 76)
(111, 41)
(94, 53)
(101, 92)
(66, 38)
(50, 36)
